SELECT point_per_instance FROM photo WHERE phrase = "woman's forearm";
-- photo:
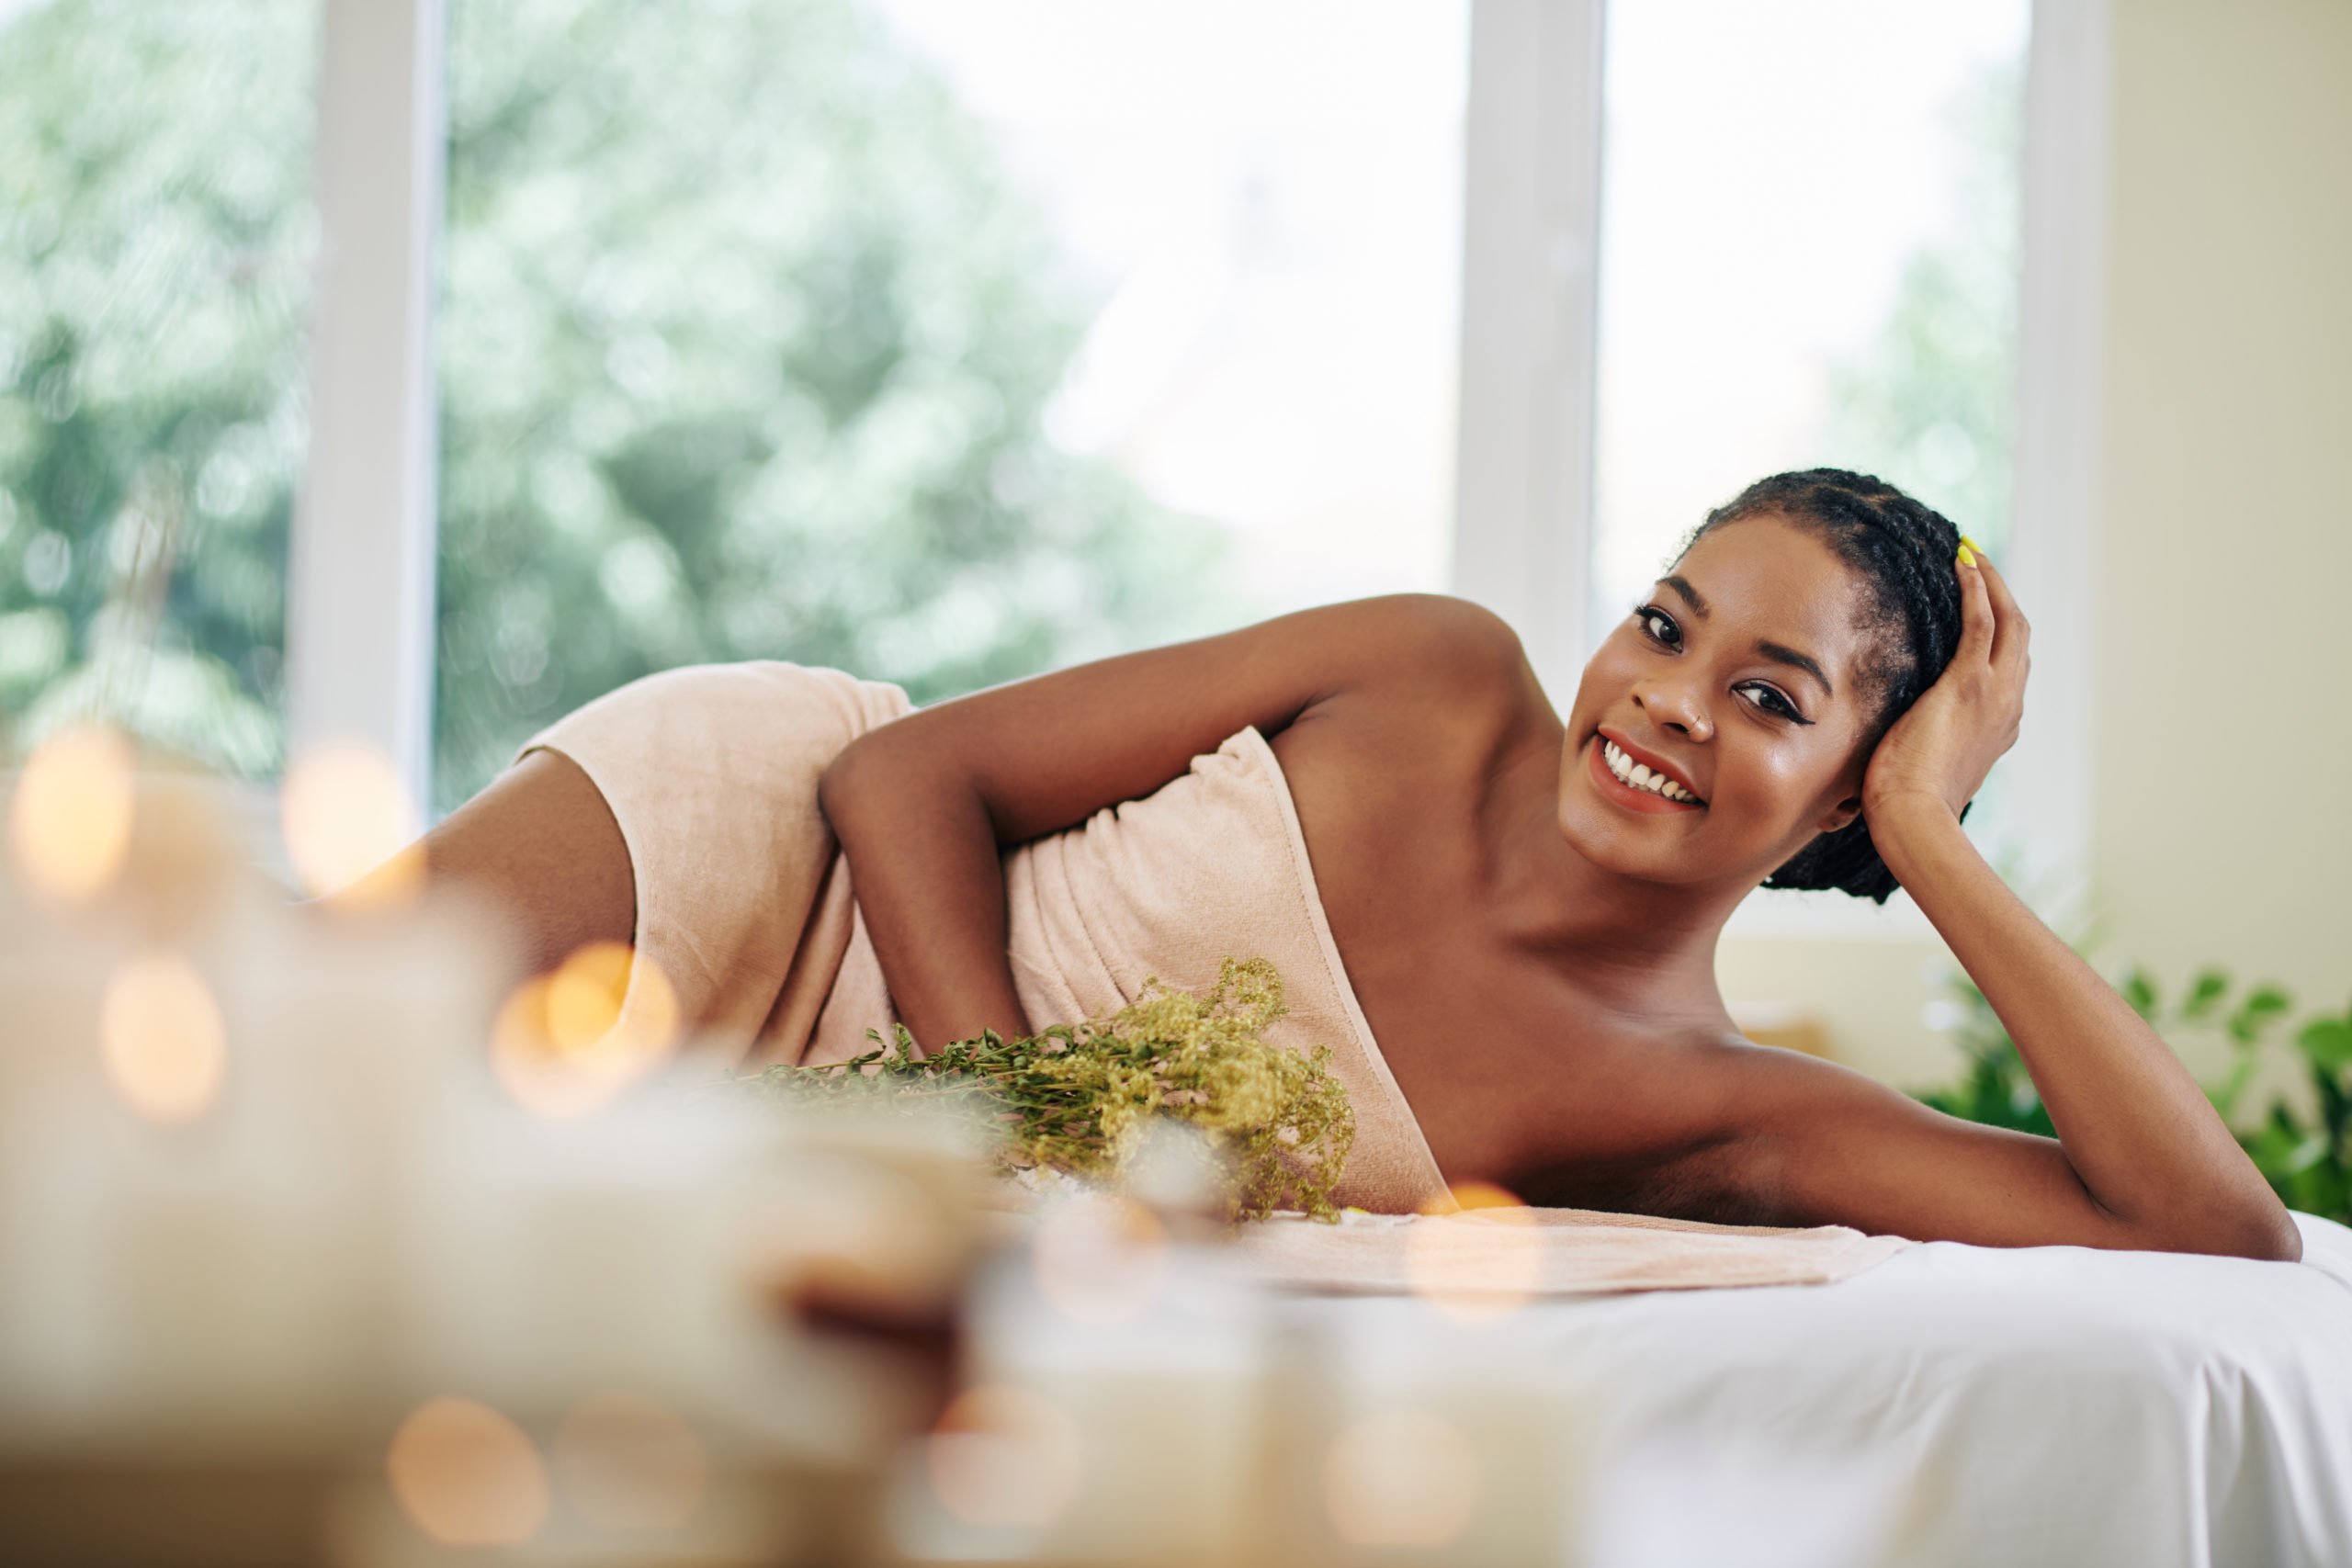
(2142, 1137)
(925, 863)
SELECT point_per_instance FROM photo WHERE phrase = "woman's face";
(1740, 675)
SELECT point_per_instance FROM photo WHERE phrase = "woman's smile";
(1604, 758)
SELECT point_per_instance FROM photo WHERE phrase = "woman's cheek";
(1767, 779)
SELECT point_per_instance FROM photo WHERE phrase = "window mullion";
(1530, 317)
(360, 563)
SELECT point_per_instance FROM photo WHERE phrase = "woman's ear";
(1841, 815)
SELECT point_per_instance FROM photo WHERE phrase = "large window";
(155, 253)
(941, 342)
(947, 341)
(1809, 257)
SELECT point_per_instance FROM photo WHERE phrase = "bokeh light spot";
(466, 1475)
(1099, 1258)
(160, 1039)
(345, 814)
(1478, 1254)
(567, 1043)
(70, 822)
(1400, 1479)
(629, 1463)
(1003, 1456)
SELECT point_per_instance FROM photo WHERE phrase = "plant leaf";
(2208, 987)
(2328, 1043)
(2141, 992)
(2262, 1006)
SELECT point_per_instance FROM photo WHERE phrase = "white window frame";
(360, 560)
(1529, 312)
(360, 638)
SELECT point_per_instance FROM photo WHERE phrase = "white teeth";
(1639, 775)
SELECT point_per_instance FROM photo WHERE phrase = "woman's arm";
(924, 806)
(2142, 1158)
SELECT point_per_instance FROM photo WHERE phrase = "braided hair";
(1903, 553)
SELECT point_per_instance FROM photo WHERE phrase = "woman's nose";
(1676, 705)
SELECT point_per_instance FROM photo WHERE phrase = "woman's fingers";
(1975, 614)
(2011, 631)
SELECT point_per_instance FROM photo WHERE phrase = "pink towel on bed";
(744, 902)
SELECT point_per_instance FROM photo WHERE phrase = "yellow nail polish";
(1965, 558)
(1973, 546)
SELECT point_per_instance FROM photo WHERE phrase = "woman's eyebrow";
(1779, 654)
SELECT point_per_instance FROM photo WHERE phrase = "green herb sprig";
(1076, 1098)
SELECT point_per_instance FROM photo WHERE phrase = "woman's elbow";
(836, 781)
(2271, 1237)
(2280, 1241)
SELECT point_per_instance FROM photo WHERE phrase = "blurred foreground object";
(289, 1275)
(325, 1240)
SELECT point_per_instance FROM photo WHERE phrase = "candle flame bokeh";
(1099, 1258)
(466, 1475)
(345, 814)
(1400, 1479)
(70, 822)
(1003, 1456)
(627, 1463)
(160, 1038)
(1476, 1276)
(567, 1043)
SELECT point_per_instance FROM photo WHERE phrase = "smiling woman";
(1517, 911)
(1897, 623)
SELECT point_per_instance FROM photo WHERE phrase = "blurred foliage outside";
(743, 349)
(1932, 405)
(155, 252)
(746, 343)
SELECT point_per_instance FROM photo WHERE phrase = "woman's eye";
(1652, 618)
(1772, 702)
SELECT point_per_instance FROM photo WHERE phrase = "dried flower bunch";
(1074, 1098)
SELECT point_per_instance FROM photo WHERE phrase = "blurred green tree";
(745, 343)
(154, 272)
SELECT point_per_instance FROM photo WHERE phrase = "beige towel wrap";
(743, 901)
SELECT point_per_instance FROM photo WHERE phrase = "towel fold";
(746, 905)
(1501, 1255)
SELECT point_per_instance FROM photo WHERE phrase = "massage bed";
(1911, 1403)
(1951, 1405)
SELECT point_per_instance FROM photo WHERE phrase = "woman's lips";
(1623, 793)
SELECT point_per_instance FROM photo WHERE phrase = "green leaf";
(2262, 1006)
(2328, 1043)
(2141, 992)
(2208, 987)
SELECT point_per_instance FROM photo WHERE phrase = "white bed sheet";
(1964, 1405)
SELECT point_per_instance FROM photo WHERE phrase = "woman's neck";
(1642, 948)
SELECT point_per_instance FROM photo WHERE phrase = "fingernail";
(1971, 544)
(1966, 558)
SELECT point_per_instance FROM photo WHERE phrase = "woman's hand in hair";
(1936, 756)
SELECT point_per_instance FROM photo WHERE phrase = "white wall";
(2227, 529)
(2224, 529)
